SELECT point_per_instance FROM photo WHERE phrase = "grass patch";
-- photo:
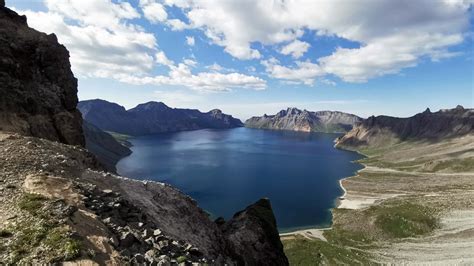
(121, 138)
(303, 251)
(405, 220)
(181, 259)
(47, 241)
(32, 203)
(455, 165)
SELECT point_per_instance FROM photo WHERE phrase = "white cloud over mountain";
(106, 41)
(392, 34)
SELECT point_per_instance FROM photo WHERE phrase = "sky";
(249, 58)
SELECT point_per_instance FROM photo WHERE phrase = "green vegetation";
(39, 235)
(181, 259)
(31, 203)
(405, 219)
(303, 251)
(121, 138)
(455, 165)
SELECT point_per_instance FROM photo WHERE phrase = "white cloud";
(381, 27)
(296, 48)
(153, 11)
(304, 71)
(190, 40)
(103, 42)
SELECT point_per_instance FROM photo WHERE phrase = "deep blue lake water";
(227, 170)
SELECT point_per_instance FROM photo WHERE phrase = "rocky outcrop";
(253, 233)
(385, 130)
(103, 145)
(151, 118)
(38, 90)
(297, 120)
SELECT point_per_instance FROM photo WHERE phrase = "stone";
(157, 232)
(150, 255)
(147, 233)
(114, 241)
(139, 258)
(127, 240)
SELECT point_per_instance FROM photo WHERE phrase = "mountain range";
(382, 130)
(151, 118)
(303, 120)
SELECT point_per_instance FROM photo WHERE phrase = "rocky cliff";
(385, 130)
(57, 203)
(38, 90)
(151, 118)
(298, 120)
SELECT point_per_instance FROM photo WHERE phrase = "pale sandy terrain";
(412, 171)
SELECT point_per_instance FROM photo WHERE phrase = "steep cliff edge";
(103, 145)
(38, 90)
(56, 202)
(151, 118)
(385, 130)
(298, 120)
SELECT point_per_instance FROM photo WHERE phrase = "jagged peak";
(215, 111)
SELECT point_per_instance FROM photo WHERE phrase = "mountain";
(103, 145)
(151, 118)
(58, 204)
(297, 120)
(383, 130)
(38, 89)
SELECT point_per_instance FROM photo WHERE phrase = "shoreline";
(318, 231)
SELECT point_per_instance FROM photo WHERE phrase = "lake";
(227, 170)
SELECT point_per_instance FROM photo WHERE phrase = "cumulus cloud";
(303, 72)
(392, 34)
(153, 11)
(190, 40)
(296, 48)
(104, 42)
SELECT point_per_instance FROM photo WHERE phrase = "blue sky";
(254, 57)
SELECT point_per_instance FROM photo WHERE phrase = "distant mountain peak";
(152, 117)
(294, 119)
(151, 105)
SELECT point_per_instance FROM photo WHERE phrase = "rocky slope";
(383, 130)
(57, 203)
(295, 119)
(38, 90)
(103, 145)
(151, 118)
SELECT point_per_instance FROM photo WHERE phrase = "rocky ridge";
(303, 120)
(385, 130)
(39, 91)
(151, 118)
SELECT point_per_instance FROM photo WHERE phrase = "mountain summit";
(303, 120)
(151, 118)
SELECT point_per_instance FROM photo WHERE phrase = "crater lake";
(227, 170)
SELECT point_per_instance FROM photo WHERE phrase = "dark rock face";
(38, 90)
(297, 120)
(254, 236)
(383, 130)
(151, 118)
(108, 150)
